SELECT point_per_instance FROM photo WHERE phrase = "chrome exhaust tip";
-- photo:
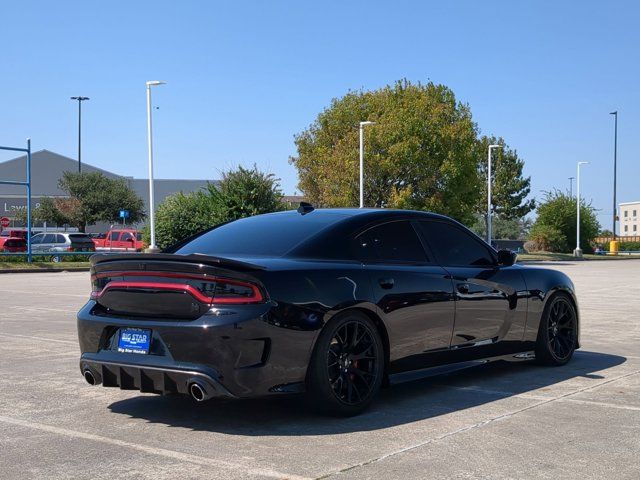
(89, 377)
(198, 392)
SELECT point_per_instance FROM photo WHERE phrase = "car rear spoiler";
(102, 258)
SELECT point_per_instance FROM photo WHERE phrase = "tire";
(558, 331)
(346, 367)
(56, 259)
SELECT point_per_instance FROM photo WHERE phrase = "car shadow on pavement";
(399, 404)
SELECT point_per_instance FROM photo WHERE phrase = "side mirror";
(506, 258)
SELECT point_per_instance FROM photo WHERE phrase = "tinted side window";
(453, 246)
(37, 239)
(60, 239)
(114, 236)
(391, 242)
(49, 238)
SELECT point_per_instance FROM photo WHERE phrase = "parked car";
(120, 240)
(13, 244)
(333, 303)
(51, 242)
(14, 233)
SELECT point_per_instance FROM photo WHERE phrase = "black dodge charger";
(332, 303)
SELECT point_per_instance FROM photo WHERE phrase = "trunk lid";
(171, 286)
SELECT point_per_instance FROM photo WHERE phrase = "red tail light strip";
(255, 297)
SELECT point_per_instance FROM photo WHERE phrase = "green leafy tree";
(241, 193)
(246, 192)
(556, 219)
(420, 154)
(51, 210)
(100, 198)
(502, 228)
(93, 198)
(509, 188)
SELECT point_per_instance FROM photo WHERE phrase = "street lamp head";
(583, 163)
(495, 146)
(153, 83)
(80, 99)
(362, 124)
(614, 113)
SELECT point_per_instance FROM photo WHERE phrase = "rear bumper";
(243, 351)
(149, 378)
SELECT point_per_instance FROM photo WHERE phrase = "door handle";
(386, 283)
(463, 288)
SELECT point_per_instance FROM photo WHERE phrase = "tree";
(420, 154)
(100, 198)
(92, 198)
(509, 189)
(555, 224)
(246, 192)
(512, 229)
(241, 193)
(51, 210)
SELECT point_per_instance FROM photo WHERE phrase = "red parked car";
(13, 244)
(120, 240)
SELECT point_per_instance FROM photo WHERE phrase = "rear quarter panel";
(541, 284)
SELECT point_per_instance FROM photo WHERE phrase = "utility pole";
(615, 166)
(571, 187)
(491, 147)
(362, 125)
(80, 100)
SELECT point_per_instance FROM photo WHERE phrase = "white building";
(629, 219)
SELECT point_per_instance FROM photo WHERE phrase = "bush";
(544, 238)
(555, 225)
(629, 246)
(241, 193)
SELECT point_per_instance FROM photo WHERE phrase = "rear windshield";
(80, 238)
(15, 242)
(262, 235)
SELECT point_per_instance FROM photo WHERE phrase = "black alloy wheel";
(558, 332)
(347, 366)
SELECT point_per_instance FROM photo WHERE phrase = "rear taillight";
(205, 289)
(69, 249)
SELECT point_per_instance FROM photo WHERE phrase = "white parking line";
(503, 416)
(162, 452)
(33, 337)
(41, 293)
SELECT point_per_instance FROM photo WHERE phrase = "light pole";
(615, 161)
(80, 100)
(152, 225)
(578, 251)
(362, 125)
(571, 187)
(491, 147)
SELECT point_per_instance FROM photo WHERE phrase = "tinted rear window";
(80, 238)
(15, 243)
(263, 235)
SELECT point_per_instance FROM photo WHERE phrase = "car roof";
(371, 213)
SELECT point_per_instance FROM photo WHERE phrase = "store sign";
(9, 206)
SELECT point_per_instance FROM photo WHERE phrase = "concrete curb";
(40, 270)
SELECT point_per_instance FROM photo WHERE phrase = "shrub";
(545, 238)
(241, 193)
(555, 225)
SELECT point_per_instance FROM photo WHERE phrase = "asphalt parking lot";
(494, 421)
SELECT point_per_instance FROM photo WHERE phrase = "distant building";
(629, 219)
(292, 201)
(47, 168)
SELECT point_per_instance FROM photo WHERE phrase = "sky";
(244, 77)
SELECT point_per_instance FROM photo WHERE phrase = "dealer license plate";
(134, 340)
